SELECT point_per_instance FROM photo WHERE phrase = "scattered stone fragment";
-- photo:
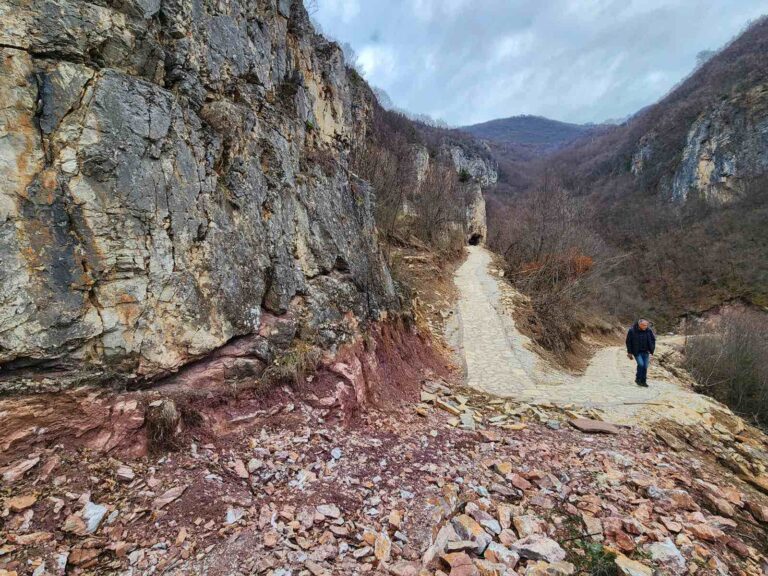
(448, 407)
(666, 554)
(528, 525)
(671, 525)
(360, 553)
(167, 497)
(550, 569)
(437, 548)
(396, 518)
(631, 567)
(500, 554)
(594, 426)
(468, 529)
(706, 532)
(125, 474)
(271, 538)
(93, 514)
(315, 568)
(461, 546)
(15, 471)
(461, 564)
(329, 510)
(19, 503)
(80, 556)
(74, 524)
(487, 568)
(758, 511)
(239, 467)
(538, 547)
(383, 547)
(467, 421)
(405, 568)
(483, 518)
(234, 515)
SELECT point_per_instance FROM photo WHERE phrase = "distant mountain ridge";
(536, 133)
(681, 186)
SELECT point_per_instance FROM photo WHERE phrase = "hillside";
(532, 133)
(672, 201)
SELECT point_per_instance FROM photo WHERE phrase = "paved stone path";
(500, 360)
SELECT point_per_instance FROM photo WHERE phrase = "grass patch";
(589, 557)
(293, 365)
(596, 560)
(162, 420)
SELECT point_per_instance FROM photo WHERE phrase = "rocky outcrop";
(479, 173)
(478, 166)
(172, 172)
(724, 147)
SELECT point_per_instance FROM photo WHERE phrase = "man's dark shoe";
(643, 384)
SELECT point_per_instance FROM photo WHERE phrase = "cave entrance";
(475, 239)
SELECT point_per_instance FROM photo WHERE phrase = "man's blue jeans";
(642, 359)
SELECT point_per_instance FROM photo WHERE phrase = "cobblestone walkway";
(500, 360)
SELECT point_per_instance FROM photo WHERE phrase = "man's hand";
(630, 356)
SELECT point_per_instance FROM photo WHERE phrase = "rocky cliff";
(479, 173)
(175, 174)
(725, 146)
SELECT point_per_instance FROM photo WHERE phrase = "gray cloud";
(467, 61)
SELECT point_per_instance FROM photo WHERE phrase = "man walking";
(641, 343)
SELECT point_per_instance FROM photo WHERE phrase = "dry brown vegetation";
(552, 254)
(581, 233)
(431, 210)
(730, 362)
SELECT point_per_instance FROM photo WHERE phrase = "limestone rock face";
(477, 167)
(723, 146)
(171, 172)
(482, 174)
(477, 227)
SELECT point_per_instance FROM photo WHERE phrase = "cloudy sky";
(467, 61)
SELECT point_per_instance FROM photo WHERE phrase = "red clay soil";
(381, 370)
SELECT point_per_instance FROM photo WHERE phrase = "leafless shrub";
(431, 208)
(730, 362)
(162, 420)
(553, 256)
(293, 365)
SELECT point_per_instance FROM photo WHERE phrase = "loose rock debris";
(457, 484)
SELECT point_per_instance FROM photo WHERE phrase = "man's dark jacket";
(640, 340)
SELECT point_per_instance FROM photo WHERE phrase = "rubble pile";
(457, 484)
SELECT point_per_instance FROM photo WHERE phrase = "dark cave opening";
(475, 239)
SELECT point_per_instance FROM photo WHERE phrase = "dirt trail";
(500, 360)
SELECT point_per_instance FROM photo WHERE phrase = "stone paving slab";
(500, 360)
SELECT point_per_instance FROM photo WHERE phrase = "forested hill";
(674, 201)
(533, 132)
